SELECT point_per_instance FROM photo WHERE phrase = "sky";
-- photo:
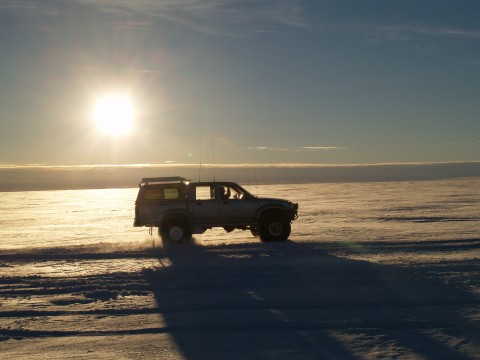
(239, 81)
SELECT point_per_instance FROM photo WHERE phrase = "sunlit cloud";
(127, 70)
(319, 148)
(297, 149)
(267, 148)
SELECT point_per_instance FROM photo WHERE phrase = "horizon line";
(229, 165)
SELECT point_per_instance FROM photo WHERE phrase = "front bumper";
(293, 211)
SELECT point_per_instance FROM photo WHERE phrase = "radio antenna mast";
(200, 166)
(213, 160)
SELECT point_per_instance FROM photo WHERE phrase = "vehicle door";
(235, 207)
(204, 204)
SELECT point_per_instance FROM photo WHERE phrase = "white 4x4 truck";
(180, 208)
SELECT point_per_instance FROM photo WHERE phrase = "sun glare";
(114, 115)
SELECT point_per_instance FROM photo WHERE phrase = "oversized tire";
(275, 227)
(175, 230)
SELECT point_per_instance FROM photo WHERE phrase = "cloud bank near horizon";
(43, 177)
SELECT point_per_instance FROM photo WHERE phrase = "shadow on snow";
(294, 300)
(278, 300)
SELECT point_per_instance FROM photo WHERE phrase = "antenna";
(213, 160)
(200, 166)
(256, 181)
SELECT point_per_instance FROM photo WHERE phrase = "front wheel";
(275, 228)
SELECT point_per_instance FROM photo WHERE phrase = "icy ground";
(372, 271)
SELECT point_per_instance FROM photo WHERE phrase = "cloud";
(301, 148)
(214, 16)
(319, 148)
(226, 17)
(464, 143)
(267, 148)
(404, 32)
(38, 177)
(28, 8)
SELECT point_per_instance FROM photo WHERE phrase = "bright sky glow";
(270, 81)
(114, 115)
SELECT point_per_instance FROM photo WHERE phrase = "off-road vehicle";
(180, 208)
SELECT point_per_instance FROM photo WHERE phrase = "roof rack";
(171, 179)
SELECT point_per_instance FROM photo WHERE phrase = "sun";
(114, 115)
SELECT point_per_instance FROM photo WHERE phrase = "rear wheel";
(175, 230)
(275, 227)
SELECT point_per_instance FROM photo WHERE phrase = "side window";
(162, 194)
(225, 192)
(235, 194)
(205, 193)
(171, 194)
(153, 194)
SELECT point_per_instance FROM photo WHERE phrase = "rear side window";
(162, 194)
(171, 194)
(204, 192)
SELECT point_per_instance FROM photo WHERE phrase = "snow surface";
(371, 271)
